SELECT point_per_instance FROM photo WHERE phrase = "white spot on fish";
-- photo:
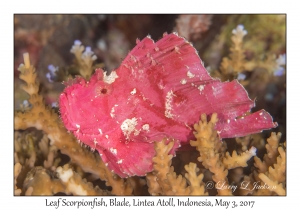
(100, 131)
(106, 136)
(183, 81)
(128, 126)
(110, 78)
(77, 126)
(228, 121)
(146, 127)
(114, 151)
(112, 112)
(95, 142)
(144, 98)
(133, 91)
(201, 87)
(160, 85)
(190, 75)
(120, 161)
(260, 113)
(168, 106)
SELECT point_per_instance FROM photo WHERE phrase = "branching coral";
(164, 181)
(272, 153)
(272, 170)
(40, 181)
(236, 65)
(236, 160)
(75, 185)
(211, 155)
(84, 59)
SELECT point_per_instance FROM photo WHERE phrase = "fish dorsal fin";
(172, 70)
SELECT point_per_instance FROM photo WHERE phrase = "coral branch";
(236, 63)
(208, 144)
(272, 153)
(273, 185)
(278, 172)
(275, 176)
(75, 185)
(196, 184)
(40, 181)
(18, 168)
(272, 149)
(236, 160)
(153, 186)
(84, 59)
(164, 181)
(178, 184)
(162, 163)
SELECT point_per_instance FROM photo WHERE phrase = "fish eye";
(103, 90)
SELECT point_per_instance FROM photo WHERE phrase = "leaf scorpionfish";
(159, 91)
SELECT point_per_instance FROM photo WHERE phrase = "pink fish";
(160, 90)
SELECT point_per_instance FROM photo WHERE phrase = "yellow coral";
(272, 170)
(196, 184)
(18, 168)
(236, 63)
(236, 160)
(75, 185)
(164, 181)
